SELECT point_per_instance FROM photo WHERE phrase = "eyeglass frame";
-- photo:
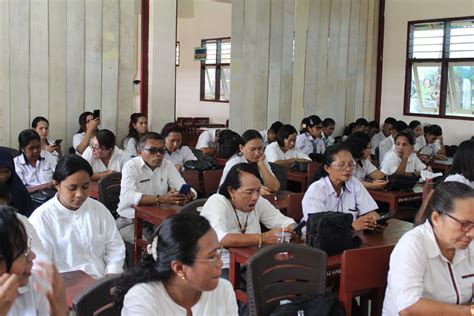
(214, 259)
(155, 150)
(351, 165)
(470, 225)
(27, 251)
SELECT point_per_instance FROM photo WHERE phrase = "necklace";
(242, 229)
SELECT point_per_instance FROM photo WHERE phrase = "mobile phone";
(96, 113)
(185, 188)
(57, 142)
(383, 219)
(297, 229)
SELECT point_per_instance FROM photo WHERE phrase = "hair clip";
(151, 248)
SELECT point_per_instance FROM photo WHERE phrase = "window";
(215, 70)
(439, 79)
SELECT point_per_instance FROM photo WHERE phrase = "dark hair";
(147, 136)
(171, 127)
(390, 120)
(329, 157)
(70, 164)
(434, 129)
(232, 180)
(413, 124)
(27, 136)
(105, 138)
(132, 132)
(348, 129)
(400, 126)
(250, 134)
(38, 119)
(83, 121)
(463, 162)
(356, 143)
(328, 122)
(13, 236)
(442, 200)
(275, 127)
(177, 239)
(312, 121)
(374, 124)
(408, 134)
(361, 122)
(284, 132)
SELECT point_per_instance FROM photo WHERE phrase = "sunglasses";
(155, 150)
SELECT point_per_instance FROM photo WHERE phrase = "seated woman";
(78, 232)
(283, 151)
(251, 151)
(88, 127)
(401, 159)
(41, 126)
(417, 128)
(180, 274)
(431, 143)
(337, 190)
(19, 196)
(175, 151)
(431, 267)
(310, 141)
(137, 127)
(103, 156)
(20, 292)
(237, 211)
(34, 166)
(462, 169)
(364, 171)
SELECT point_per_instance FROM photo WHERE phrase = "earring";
(183, 277)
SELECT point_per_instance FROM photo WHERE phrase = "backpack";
(331, 232)
(228, 144)
(314, 305)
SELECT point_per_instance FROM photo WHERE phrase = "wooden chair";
(187, 123)
(210, 181)
(295, 209)
(192, 177)
(364, 271)
(312, 169)
(280, 173)
(12, 151)
(109, 191)
(202, 120)
(97, 299)
(284, 271)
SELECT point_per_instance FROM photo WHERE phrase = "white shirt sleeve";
(114, 245)
(217, 213)
(187, 154)
(87, 155)
(418, 164)
(129, 194)
(369, 167)
(300, 154)
(270, 216)
(314, 200)
(204, 140)
(390, 163)
(130, 146)
(272, 152)
(228, 165)
(303, 144)
(365, 203)
(77, 139)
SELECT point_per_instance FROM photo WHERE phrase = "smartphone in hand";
(96, 114)
(383, 219)
(57, 142)
(185, 188)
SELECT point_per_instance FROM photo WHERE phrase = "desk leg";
(138, 236)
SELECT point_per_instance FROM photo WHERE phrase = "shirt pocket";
(467, 287)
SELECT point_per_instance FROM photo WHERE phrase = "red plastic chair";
(295, 209)
(210, 181)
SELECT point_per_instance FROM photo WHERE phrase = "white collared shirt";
(139, 179)
(77, 139)
(306, 143)
(207, 139)
(362, 172)
(130, 146)
(354, 199)
(85, 239)
(425, 148)
(376, 140)
(385, 146)
(36, 244)
(42, 173)
(273, 153)
(29, 302)
(328, 141)
(239, 159)
(419, 270)
(116, 163)
(220, 213)
(392, 161)
(180, 156)
(459, 178)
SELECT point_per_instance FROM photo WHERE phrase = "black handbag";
(331, 232)
(39, 197)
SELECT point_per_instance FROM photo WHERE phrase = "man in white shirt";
(387, 144)
(327, 130)
(386, 131)
(207, 141)
(148, 179)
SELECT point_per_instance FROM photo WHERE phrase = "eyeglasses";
(155, 150)
(465, 225)
(214, 258)
(344, 165)
(95, 147)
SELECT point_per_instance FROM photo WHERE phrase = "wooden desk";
(75, 282)
(239, 256)
(94, 190)
(393, 198)
(442, 165)
(154, 215)
(299, 177)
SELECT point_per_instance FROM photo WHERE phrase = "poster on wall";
(200, 53)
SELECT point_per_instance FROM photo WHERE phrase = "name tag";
(146, 180)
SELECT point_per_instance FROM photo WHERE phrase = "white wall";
(397, 14)
(210, 20)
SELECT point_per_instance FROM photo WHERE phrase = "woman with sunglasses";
(179, 274)
(22, 293)
(337, 190)
(431, 267)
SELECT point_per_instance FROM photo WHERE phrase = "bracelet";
(158, 199)
(260, 240)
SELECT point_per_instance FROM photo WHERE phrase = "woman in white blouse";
(309, 141)
(283, 151)
(41, 126)
(251, 151)
(175, 151)
(78, 232)
(402, 159)
(431, 267)
(180, 274)
(137, 127)
(462, 169)
(87, 128)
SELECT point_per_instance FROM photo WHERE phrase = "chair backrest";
(295, 209)
(364, 269)
(192, 177)
(284, 271)
(109, 191)
(97, 299)
(312, 168)
(12, 151)
(191, 207)
(210, 181)
(280, 173)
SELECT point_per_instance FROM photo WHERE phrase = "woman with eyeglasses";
(21, 291)
(179, 274)
(137, 127)
(431, 267)
(309, 141)
(176, 152)
(336, 190)
(237, 211)
(88, 127)
(103, 156)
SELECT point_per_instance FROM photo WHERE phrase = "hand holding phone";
(383, 219)
(57, 142)
(185, 188)
(96, 114)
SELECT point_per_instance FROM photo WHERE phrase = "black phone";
(297, 229)
(185, 188)
(57, 142)
(96, 113)
(383, 219)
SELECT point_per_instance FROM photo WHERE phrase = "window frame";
(444, 63)
(218, 66)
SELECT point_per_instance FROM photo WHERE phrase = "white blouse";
(240, 159)
(130, 145)
(273, 153)
(180, 156)
(426, 149)
(29, 302)
(307, 144)
(86, 239)
(42, 173)
(392, 161)
(362, 172)
(116, 163)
